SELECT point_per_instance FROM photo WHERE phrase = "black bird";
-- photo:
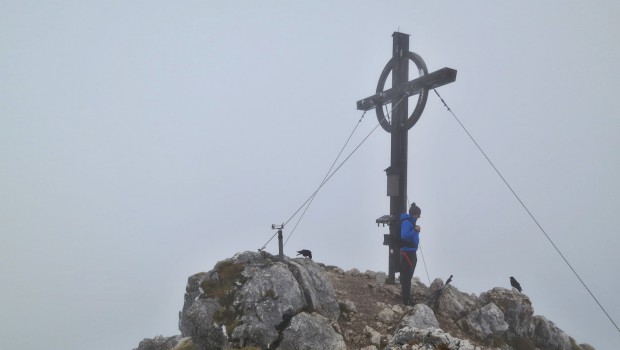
(514, 283)
(306, 253)
(449, 280)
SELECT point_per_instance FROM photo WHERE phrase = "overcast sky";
(143, 141)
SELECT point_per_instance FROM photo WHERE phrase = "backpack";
(402, 243)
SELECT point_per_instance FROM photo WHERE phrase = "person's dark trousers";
(408, 260)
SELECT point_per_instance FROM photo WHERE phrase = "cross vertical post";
(398, 127)
(399, 143)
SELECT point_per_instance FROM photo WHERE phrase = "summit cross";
(399, 125)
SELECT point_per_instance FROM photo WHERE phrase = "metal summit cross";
(399, 126)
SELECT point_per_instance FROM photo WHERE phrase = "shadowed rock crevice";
(286, 321)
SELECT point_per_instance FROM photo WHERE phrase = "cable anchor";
(280, 242)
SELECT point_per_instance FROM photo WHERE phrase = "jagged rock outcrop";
(257, 301)
(454, 304)
(419, 291)
(548, 335)
(487, 324)
(253, 299)
(311, 332)
(420, 317)
(517, 309)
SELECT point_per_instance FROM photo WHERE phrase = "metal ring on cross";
(422, 96)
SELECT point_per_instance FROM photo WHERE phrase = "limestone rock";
(354, 272)
(339, 271)
(198, 320)
(371, 275)
(548, 336)
(185, 344)
(435, 285)
(386, 315)
(516, 307)
(419, 291)
(269, 296)
(258, 301)
(249, 300)
(380, 278)
(421, 317)
(390, 290)
(398, 309)
(453, 304)
(192, 292)
(432, 338)
(318, 289)
(348, 307)
(159, 343)
(373, 335)
(486, 323)
(311, 332)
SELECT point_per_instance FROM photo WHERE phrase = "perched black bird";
(514, 283)
(449, 280)
(306, 253)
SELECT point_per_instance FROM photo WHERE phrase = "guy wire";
(325, 177)
(528, 211)
(338, 168)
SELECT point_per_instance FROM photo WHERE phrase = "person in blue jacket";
(410, 238)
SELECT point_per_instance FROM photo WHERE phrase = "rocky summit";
(257, 301)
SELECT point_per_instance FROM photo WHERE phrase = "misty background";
(143, 141)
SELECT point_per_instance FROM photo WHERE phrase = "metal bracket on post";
(280, 242)
(385, 220)
(388, 240)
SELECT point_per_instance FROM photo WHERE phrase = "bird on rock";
(514, 283)
(306, 253)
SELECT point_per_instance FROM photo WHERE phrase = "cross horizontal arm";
(430, 81)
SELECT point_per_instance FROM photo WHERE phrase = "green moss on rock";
(229, 274)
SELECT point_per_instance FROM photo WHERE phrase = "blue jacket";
(408, 232)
